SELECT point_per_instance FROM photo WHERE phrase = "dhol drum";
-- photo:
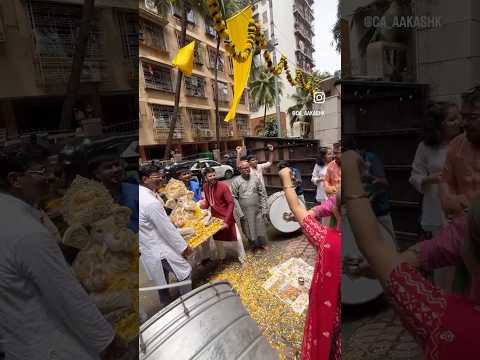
(355, 290)
(278, 211)
(208, 323)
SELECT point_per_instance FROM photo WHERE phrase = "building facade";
(293, 30)
(195, 128)
(37, 40)
(327, 124)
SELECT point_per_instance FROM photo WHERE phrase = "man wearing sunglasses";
(45, 311)
(461, 175)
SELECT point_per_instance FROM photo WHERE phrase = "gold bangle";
(356, 197)
(289, 187)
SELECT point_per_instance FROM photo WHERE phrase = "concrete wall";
(327, 127)
(449, 57)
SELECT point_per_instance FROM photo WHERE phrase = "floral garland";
(257, 39)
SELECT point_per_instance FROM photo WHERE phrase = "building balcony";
(243, 132)
(56, 70)
(161, 134)
(202, 133)
(149, 10)
(302, 32)
(210, 30)
(226, 133)
(305, 53)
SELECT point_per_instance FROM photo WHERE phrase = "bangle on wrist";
(289, 187)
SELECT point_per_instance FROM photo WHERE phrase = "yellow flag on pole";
(237, 27)
(184, 59)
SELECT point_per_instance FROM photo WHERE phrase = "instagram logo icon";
(319, 97)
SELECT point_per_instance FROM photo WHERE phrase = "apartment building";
(293, 29)
(195, 127)
(37, 40)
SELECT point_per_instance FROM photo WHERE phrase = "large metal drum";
(277, 210)
(355, 291)
(208, 323)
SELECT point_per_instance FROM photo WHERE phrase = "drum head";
(277, 207)
(359, 290)
(355, 291)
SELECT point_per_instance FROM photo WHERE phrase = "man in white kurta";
(256, 168)
(44, 311)
(162, 247)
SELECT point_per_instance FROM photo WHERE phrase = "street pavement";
(369, 332)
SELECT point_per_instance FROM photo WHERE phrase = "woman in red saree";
(445, 325)
(321, 340)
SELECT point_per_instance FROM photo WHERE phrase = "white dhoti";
(236, 246)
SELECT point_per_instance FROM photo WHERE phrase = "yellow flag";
(184, 58)
(238, 29)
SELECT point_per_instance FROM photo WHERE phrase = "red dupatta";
(321, 339)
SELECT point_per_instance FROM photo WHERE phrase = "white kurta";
(318, 179)
(429, 161)
(259, 170)
(159, 239)
(44, 311)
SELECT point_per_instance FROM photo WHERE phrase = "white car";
(222, 171)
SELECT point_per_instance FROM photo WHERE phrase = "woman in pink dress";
(445, 325)
(321, 339)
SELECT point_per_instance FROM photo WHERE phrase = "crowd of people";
(47, 309)
(443, 313)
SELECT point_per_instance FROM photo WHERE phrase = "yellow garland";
(256, 38)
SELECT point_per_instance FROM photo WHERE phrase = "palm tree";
(262, 90)
(185, 6)
(303, 102)
(77, 64)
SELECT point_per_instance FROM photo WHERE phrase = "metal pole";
(274, 59)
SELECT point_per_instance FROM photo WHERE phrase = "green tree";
(304, 100)
(185, 6)
(77, 64)
(262, 90)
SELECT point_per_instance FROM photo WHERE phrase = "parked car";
(223, 171)
(196, 166)
(231, 161)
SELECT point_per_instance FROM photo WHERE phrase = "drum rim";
(181, 299)
(380, 292)
(272, 198)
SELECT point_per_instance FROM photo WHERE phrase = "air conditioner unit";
(150, 6)
(206, 133)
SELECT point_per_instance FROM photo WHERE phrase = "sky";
(325, 56)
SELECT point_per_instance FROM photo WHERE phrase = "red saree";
(321, 340)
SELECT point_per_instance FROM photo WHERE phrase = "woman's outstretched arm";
(381, 255)
(294, 203)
